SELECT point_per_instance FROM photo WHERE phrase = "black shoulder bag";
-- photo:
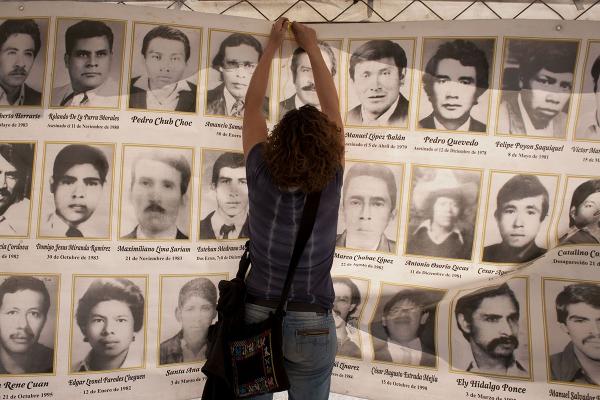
(245, 360)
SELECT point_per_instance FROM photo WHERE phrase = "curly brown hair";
(304, 150)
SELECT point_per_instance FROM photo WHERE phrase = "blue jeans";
(309, 346)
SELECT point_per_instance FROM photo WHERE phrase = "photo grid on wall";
(463, 234)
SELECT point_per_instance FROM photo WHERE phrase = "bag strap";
(244, 263)
(307, 223)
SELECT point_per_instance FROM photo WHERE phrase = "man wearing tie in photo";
(230, 219)
(236, 61)
(88, 58)
(77, 182)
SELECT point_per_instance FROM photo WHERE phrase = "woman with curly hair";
(303, 154)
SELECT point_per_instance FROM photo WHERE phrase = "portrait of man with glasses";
(235, 61)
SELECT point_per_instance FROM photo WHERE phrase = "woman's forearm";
(257, 89)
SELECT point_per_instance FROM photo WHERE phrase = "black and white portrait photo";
(28, 323)
(489, 332)
(443, 212)
(164, 68)
(369, 206)
(380, 72)
(297, 84)
(88, 62)
(108, 323)
(588, 116)
(223, 196)
(518, 217)
(403, 325)
(23, 44)
(350, 299)
(232, 59)
(572, 315)
(537, 83)
(579, 221)
(76, 199)
(456, 78)
(16, 176)
(188, 308)
(155, 193)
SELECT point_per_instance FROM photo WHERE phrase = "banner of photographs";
(375, 77)
(99, 189)
(488, 329)
(156, 199)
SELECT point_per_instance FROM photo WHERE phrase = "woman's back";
(274, 220)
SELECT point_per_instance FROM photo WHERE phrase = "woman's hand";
(278, 32)
(305, 36)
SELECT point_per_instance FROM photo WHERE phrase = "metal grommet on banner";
(21, 7)
(558, 28)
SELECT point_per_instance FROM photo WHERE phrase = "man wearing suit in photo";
(230, 219)
(455, 77)
(166, 53)
(235, 61)
(377, 70)
(304, 82)
(88, 58)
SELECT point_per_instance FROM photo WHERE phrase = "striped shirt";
(274, 220)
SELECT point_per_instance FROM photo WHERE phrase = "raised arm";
(255, 126)
(326, 91)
